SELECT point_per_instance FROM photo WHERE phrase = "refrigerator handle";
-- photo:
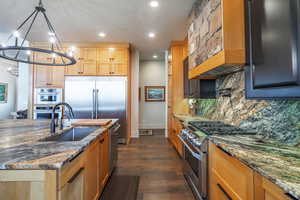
(94, 103)
(97, 103)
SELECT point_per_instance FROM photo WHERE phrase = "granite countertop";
(188, 118)
(279, 163)
(20, 147)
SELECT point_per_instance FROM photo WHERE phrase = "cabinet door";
(74, 189)
(101, 166)
(76, 69)
(119, 69)
(89, 61)
(92, 173)
(104, 69)
(57, 76)
(266, 190)
(104, 55)
(274, 70)
(225, 170)
(42, 76)
(104, 159)
(119, 55)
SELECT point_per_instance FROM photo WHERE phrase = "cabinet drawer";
(70, 169)
(229, 170)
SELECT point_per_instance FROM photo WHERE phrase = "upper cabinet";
(86, 62)
(216, 38)
(113, 61)
(48, 76)
(100, 61)
(274, 70)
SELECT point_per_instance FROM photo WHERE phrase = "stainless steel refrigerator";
(98, 98)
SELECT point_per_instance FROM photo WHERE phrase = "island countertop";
(20, 147)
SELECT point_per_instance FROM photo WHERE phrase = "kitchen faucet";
(53, 124)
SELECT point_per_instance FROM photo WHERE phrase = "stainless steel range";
(195, 140)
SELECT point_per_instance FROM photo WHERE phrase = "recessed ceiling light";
(154, 4)
(101, 34)
(155, 56)
(151, 35)
(111, 49)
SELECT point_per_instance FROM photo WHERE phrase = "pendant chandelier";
(19, 53)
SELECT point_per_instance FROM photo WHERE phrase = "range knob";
(197, 142)
(191, 136)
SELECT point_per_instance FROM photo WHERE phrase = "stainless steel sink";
(73, 134)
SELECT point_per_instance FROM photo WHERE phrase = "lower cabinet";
(103, 161)
(229, 179)
(92, 172)
(74, 188)
(266, 190)
(85, 177)
(173, 137)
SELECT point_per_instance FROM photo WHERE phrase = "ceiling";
(121, 20)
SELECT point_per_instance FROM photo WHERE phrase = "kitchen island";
(35, 169)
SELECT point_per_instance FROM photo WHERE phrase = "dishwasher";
(114, 133)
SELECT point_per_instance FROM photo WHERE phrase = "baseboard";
(152, 126)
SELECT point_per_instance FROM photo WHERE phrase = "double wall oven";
(44, 101)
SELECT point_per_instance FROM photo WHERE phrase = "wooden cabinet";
(74, 188)
(223, 30)
(28, 185)
(100, 61)
(103, 160)
(173, 137)
(86, 62)
(113, 61)
(92, 171)
(224, 171)
(266, 190)
(275, 68)
(47, 76)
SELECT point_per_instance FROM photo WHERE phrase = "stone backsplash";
(205, 31)
(278, 119)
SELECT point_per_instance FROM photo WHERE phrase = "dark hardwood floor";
(158, 166)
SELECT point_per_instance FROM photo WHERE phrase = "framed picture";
(155, 93)
(3, 92)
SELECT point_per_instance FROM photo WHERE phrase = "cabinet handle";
(222, 189)
(75, 156)
(224, 151)
(75, 175)
(290, 196)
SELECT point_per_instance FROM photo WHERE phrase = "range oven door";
(195, 169)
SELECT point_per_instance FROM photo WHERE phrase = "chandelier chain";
(27, 32)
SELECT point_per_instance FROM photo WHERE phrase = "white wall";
(152, 114)
(135, 93)
(23, 86)
(5, 77)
